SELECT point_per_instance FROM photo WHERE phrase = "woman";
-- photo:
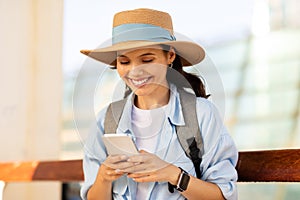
(150, 61)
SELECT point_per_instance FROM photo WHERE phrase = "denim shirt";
(218, 161)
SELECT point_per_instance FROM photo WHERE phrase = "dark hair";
(184, 79)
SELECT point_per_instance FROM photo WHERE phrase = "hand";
(147, 167)
(110, 169)
(107, 173)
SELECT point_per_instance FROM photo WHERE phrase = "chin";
(143, 91)
(139, 92)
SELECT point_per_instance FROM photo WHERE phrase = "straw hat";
(145, 27)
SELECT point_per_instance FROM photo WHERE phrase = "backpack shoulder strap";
(189, 135)
(113, 116)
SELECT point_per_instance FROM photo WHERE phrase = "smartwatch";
(182, 183)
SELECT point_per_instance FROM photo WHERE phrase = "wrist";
(174, 175)
(182, 182)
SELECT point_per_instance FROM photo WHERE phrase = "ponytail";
(193, 81)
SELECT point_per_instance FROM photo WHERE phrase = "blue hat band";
(145, 32)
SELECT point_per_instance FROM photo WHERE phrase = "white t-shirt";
(146, 126)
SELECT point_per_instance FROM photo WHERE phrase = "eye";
(147, 60)
(124, 62)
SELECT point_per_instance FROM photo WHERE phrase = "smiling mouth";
(140, 82)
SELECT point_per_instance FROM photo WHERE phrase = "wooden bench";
(253, 166)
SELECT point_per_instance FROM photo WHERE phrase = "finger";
(137, 159)
(135, 168)
(114, 172)
(110, 174)
(146, 178)
(124, 165)
(113, 161)
(116, 158)
(113, 177)
(137, 175)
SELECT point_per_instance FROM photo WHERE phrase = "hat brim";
(189, 52)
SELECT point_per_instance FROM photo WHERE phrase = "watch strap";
(171, 187)
(182, 183)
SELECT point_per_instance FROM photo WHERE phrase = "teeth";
(135, 82)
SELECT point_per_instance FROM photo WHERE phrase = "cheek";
(160, 72)
(121, 71)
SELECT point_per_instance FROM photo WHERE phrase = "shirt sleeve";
(94, 155)
(220, 153)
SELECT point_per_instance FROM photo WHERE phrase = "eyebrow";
(145, 54)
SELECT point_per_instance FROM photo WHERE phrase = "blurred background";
(253, 49)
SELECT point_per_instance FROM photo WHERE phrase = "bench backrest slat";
(253, 166)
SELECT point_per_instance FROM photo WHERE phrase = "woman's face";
(144, 70)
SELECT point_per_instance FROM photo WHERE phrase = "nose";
(136, 70)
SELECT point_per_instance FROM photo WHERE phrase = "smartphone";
(117, 144)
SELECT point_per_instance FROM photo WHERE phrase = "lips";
(139, 82)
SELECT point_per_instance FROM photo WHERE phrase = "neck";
(158, 99)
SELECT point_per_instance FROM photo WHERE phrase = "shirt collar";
(173, 111)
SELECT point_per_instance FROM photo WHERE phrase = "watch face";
(185, 179)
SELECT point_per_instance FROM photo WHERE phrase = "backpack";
(189, 135)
